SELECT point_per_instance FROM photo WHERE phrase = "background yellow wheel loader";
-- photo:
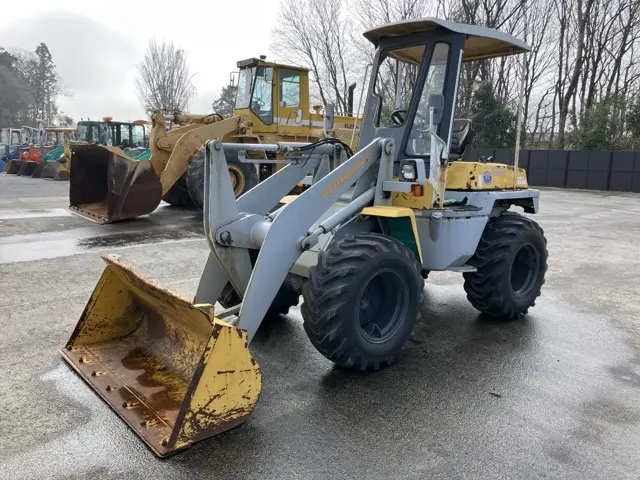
(357, 244)
(271, 106)
(130, 136)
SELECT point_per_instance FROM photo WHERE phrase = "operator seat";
(461, 136)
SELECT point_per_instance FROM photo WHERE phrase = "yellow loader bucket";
(106, 185)
(175, 374)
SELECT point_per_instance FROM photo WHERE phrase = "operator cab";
(108, 132)
(415, 82)
(257, 92)
(14, 136)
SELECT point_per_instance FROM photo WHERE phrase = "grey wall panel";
(622, 161)
(538, 158)
(504, 155)
(577, 179)
(621, 181)
(578, 160)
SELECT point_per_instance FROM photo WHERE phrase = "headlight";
(408, 172)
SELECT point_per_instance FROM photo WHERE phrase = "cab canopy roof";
(480, 42)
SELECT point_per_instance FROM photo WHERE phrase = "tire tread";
(492, 259)
(326, 293)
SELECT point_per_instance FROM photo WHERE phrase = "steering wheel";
(398, 116)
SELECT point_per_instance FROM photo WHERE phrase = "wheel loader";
(40, 160)
(9, 147)
(108, 186)
(29, 136)
(357, 245)
(131, 137)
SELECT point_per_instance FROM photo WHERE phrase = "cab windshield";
(255, 91)
(15, 137)
(83, 132)
(89, 132)
(245, 82)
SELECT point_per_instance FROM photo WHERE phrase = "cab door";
(290, 111)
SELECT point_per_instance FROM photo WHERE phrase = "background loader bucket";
(175, 374)
(13, 167)
(50, 163)
(28, 167)
(106, 185)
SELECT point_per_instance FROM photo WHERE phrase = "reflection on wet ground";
(24, 248)
(14, 214)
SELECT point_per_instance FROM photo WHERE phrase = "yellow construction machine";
(271, 106)
(357, 244)
(130, 136)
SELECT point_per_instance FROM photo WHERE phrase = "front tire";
(511, 262)
(361, 300)
(244, 176)
(178, 194)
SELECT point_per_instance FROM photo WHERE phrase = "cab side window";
(125, 137)
(138, 135)
(289, 89)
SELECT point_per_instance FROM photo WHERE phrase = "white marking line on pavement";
(6, 214)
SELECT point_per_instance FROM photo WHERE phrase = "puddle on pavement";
(10, 214)
(24, 248)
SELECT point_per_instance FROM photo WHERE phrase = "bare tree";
(315, 34)
(164, 80)
(373, 13)
(584, 55)
(572, 16)
(538, 64)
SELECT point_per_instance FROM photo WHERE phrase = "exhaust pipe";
(352, 87)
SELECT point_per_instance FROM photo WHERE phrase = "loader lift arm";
(170, 154)
(234, 227)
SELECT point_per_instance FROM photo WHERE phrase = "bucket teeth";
(172, 371)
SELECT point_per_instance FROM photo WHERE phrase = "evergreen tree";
(225, 103)
(494, 123)
(45, 84)
(595, 131)
(15, 96)
(633, 121)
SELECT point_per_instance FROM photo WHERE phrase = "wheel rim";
(382, 305)
(524, 270)
(237, 179)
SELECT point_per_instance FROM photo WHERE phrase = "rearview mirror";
(233, 79)
(436, 101)
(328, 117)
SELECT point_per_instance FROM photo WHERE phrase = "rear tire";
(245, 176)
(511, 259)
(361, 300)
(178, 194)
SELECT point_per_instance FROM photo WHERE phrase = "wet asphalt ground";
(555, 395)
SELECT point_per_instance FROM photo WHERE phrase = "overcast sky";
(96, 45)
